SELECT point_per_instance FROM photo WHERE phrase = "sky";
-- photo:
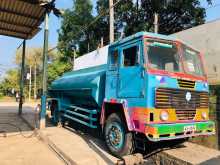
(8, 45)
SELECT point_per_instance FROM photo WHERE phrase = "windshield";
(192, 61)
(163, 56)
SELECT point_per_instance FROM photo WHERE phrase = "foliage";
(174, 16)
(215, 90)
(58, 64)
(11, 81)
(57, 68)
(131, 16)
(70, 34)
(34, 56)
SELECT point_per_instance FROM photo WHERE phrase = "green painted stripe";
(179, 127)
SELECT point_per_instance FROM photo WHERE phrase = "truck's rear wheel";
(118, 140)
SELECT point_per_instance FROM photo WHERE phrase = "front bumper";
(169, 131)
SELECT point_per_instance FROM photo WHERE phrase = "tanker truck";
(145, 87)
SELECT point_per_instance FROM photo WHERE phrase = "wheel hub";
(116, 136)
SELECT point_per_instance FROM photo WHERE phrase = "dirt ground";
(21, 150)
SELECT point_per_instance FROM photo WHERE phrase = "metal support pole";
(111, 21)
(45, 56)
(22, 78)
(156, 26)
(35, 80)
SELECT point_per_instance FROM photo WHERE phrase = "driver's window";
(113, 60)
(130, 56)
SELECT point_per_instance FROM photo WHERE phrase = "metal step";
(83, 116)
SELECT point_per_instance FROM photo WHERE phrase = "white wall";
(206, 38)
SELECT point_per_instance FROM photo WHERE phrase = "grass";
(7, 99)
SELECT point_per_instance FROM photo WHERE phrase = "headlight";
(204, 115)
(164, 115)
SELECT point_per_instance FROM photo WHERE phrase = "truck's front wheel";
(118, 139)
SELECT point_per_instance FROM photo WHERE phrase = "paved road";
(19, 150)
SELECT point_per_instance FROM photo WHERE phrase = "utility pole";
(111, 22)
(29, 98)
(45, 56)
(88, 47)
(22, 78)
(74, 57)
(35, 80)
(156, 26)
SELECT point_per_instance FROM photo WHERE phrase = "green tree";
(10, 81)
(57, 68)
(174, 15)
(72, 34)
(137, 15)
(131, 16)
(57, 65)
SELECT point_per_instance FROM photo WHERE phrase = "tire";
(118, 139)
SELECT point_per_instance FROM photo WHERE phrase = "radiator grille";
(176, 99)
(186, 83)
(185, 114)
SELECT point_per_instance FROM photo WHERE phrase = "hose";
(19, 129)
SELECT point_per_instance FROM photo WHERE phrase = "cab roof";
(151, 35)
(142, 34)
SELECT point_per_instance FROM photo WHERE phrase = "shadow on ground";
(11, 124)
(95, 140)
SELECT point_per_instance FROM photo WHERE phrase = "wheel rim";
(116, 135)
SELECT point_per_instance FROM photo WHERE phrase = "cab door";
(131, 72)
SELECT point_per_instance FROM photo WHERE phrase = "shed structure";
(21, 19)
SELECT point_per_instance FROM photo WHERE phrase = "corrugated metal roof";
(20, 18)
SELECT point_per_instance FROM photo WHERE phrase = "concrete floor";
(77, 146)
(19, 150)
(84, 148)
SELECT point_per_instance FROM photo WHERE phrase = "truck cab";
(162, 87)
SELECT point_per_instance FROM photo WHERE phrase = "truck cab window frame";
(192, 61)
(163, 55)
